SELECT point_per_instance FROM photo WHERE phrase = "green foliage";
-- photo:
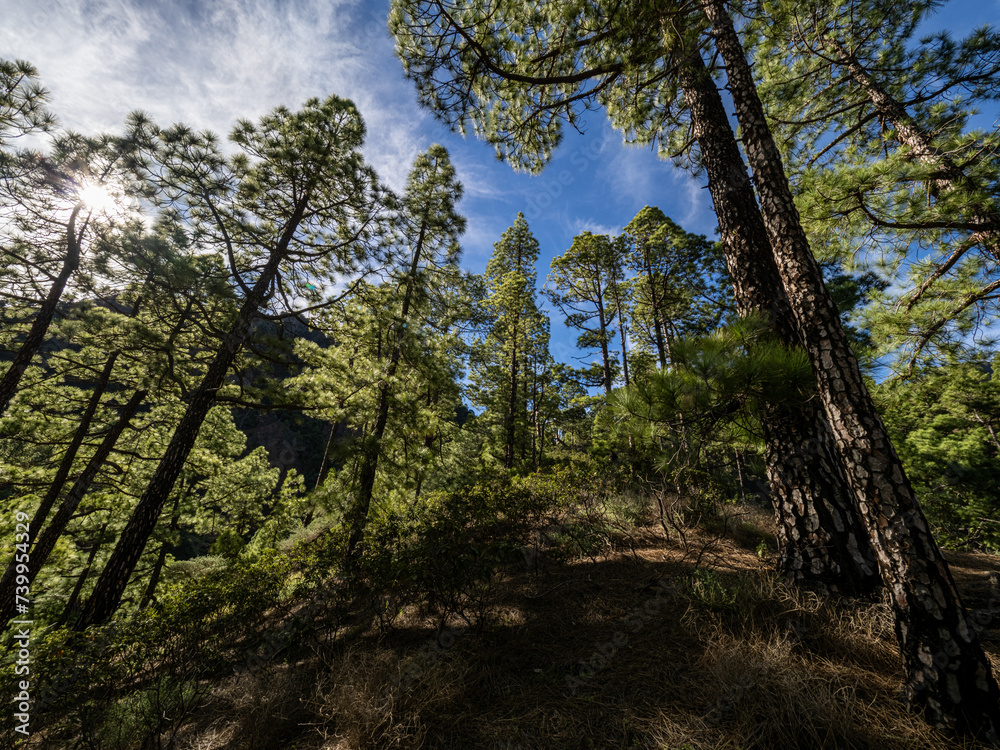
(445, 551)
(889, 172)
(124, 684)
(679, 289)
(710, 591)
(709, 402)
(587, 284)
(22, 101)
(518, 72)
(510, 363)
(945, 424)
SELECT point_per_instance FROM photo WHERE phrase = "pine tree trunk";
(40, 325)
(605, 355)
(511, 403)
(115, 576)
(658, 333)
(948, 677)
(820, 540)
(66, 464)
(326, 456)
(70, 610)
(621, 337)
(534, 415)
(161, 558)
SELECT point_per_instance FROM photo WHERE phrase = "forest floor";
(662, 640)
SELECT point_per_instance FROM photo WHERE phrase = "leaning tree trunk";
(821, 543)
(70, 610)
(115, 576)
(948, 676)
(161, 557)
(82, 430)
(69, 457)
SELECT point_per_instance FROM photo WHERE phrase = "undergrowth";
(568, 611)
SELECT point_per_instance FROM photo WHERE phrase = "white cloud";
(579, 226)
(209, 64)
(699, 216)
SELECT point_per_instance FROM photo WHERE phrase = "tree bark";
(115, 576)
(326, 456)
(658, 332)
(66, 464)
(948, 677)
(605, 356)
(70, 610)
(820, 541)
(161, 558)
(621, 333)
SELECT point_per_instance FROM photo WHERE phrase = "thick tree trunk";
(948, 677)
(115, 576)
(46, 542)
(40, 325)
(820, 540)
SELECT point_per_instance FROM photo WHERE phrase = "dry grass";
(727, 658)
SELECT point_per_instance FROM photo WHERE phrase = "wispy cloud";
(207, 64)
(698, 216)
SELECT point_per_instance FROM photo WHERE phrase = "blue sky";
(208, 63)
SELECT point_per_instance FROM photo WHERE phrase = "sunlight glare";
(99, 199)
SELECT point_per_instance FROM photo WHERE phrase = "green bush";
(130, 682)
(445, 552)
(945, 425)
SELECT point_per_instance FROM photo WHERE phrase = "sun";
(99, 199)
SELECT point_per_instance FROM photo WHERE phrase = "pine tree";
(877, 124)
(586, 284)
(821, 540)
(673, 292)
(115, 370)
(514, 325)
(431, 228)
(53, 208)
(961, 693)
(299, 191)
